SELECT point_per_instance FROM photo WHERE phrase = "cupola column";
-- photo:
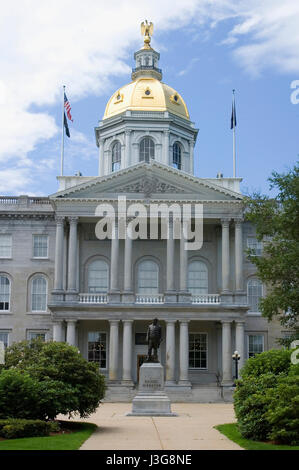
(191, 156)
(166, 148)
(126, 161)
(101, 161)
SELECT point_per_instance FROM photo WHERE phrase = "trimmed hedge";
(16, 428)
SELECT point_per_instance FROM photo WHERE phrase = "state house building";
(59, 281)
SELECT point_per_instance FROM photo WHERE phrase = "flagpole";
(62, 134)
(234, 136)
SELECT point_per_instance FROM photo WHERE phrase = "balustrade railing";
(93, 298)
(206, 299)
(149, 299)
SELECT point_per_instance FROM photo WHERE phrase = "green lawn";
(71, 441)
(231, 431)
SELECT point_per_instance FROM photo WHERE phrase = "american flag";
(68, 108)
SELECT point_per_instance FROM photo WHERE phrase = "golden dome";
(146, 94)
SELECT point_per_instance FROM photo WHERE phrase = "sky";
(207, 47)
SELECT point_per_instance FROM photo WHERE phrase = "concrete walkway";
(192, 429)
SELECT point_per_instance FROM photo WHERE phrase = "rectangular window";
(36, 335)
(255, 345)
(40, 246)
(198, 350)
(5, 246)
(140, 339)
(97, 348)
(255, 245)
(4, 338)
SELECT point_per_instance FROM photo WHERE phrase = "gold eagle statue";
(147, 31)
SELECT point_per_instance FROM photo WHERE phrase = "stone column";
(166, 147)
(170, 259)
(126, 161)
(226, 353)
(127, 351)
(240, 342)
(183, 263)
(57, 331)
(114, 287)
(128, 264)
(170, 295)
(191, 153)
(101, 158)
(72, 259)
(71, 332)
(113, 350)
(170, 351)
(225, 255)
(184, 353)
(184, 295)
(58, 281)
(238, 255)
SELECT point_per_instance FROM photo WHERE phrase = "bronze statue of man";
(153, 339)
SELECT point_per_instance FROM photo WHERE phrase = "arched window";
(98, 276)
(148, 277)
(4, 293)
(116, 156)
(177, 156)
(39, 294)
(254, 294)
(197, 278)
(146, 149)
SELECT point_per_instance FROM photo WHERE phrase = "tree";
(277, 225)
(67, 382)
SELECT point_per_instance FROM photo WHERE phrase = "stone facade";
(60, 281)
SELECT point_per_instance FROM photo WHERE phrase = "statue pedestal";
(151, 399)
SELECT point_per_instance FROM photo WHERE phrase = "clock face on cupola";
(146, 119)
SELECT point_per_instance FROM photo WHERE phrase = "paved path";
(192, 429)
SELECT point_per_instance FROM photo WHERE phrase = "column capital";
(73, 219)
(170, 321)
(225, 221)
(114, 322)
(226, 322)
(72, 321)
(238, 220)
(128, 131)
(59, 219)
(184, 321)
(126, 321)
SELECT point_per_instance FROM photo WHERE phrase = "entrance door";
(140, 360)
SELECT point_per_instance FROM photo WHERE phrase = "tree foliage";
(277, 224)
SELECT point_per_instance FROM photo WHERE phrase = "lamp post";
(236, 357)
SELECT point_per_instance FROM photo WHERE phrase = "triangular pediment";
(150, 181)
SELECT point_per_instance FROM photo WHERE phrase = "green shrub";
(68, 383)
(251, 402)
(16, 428)
(283, 411)
(274, 361)
(266, 399)
(18, 394)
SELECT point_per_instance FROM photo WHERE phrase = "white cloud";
(84, 44)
